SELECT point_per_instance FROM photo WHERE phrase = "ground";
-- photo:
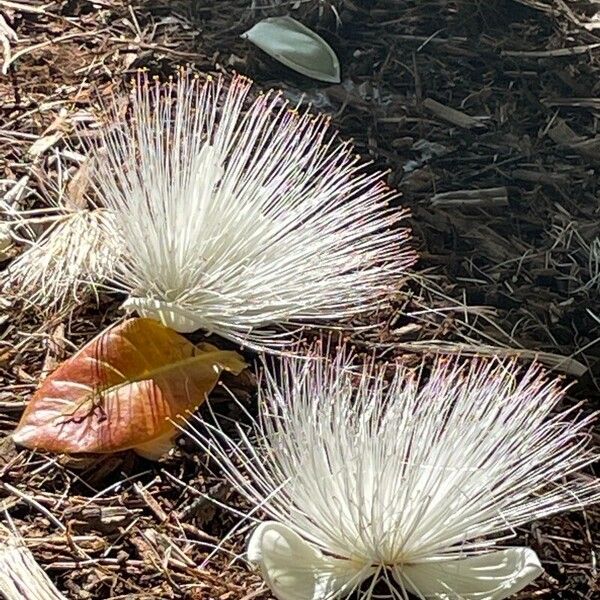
(504, 202)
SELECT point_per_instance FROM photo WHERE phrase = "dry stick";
(456, 117)
(558, 52)
(64, 38)
(484, 198)
(33, 502)
(23, 7)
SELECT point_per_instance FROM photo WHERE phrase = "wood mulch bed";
(486, 116)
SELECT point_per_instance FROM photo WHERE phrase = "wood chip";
(563, 135)
(44, 143)
(486, 198)
(451, 115)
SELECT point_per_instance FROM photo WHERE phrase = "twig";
(456, 117)
(64, 38)
(40, 10)
(34, 503)
(556, 53)
(490, 197)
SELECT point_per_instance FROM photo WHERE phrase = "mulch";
(485, 115)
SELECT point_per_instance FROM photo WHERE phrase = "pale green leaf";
(297, 47)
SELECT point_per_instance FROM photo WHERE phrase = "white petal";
(295, 570)
(297, 47)
(490, 576)
(168, 314)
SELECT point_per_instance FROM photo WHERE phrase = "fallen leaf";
(44, 143)
(297, 47)
(6, 241)
(123, 390)
(78, 186)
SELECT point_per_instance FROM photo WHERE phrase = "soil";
(486, 116)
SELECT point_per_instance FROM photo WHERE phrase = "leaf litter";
(507, 89)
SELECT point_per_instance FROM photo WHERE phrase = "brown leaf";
(122, 390)
(78, 186)
(44, 143)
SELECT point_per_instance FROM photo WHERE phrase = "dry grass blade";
(554, 362)
(21, 578)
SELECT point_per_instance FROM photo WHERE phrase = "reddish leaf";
(122, 390)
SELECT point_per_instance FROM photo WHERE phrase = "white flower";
(237, 216)
(407, 483)
(66, 262)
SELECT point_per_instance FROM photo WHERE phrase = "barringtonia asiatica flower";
(65, 263)
(239, 216)
(408, 481)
